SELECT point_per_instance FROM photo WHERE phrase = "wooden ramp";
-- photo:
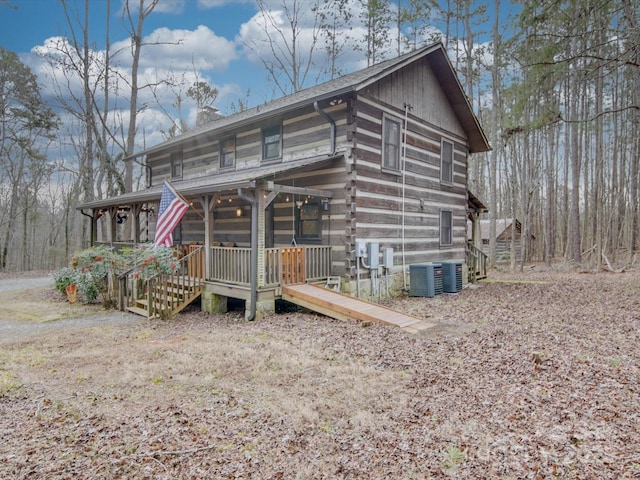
(344, 307)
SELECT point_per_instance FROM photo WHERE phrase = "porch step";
(138, 311)
(165, 295)
(333, 283)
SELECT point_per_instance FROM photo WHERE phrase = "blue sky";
(33, 22)
(219, 41)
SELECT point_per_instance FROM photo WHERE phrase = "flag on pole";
(172, 209)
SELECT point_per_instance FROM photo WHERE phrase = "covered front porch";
(245, 238)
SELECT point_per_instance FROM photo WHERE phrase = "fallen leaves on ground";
(532, 376)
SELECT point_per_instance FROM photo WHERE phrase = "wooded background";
(556, 85)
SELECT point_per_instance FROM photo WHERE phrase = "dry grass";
(530, 379)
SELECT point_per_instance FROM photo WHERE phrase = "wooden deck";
(344, 307)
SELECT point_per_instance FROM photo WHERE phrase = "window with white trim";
(446, 228)
(271, 142)
(227, 152)
(446, 162)
(176, 164)
(390, 143)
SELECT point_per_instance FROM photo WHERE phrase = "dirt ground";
(526, 376)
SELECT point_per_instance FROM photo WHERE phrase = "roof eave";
(246, 121)
(439, 61)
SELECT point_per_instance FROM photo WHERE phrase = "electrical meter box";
(361, 249)
(387, 257)
(373, 254)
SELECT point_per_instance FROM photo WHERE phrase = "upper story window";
(446, 162)
(176, 164)
(446, 228)
(390, 143)
(227, 152)
(271, 142)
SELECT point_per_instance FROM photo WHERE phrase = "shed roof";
(214, 183)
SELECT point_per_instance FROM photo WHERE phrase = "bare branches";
(290, 35)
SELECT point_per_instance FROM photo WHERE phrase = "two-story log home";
(352, 180)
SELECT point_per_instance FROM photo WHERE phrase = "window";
(390, 143)
(271, 137)
(446, 228)
(177, 234)
(227, 152)
(176, 164)
(309, 224)
(446, 162)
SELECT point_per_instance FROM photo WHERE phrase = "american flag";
(172, 209)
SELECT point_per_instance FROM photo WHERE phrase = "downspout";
(254, 252)
(326, 116)
(91, 217)
(407, 107)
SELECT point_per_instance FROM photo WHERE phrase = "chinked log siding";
(378, 201)
(399, 205)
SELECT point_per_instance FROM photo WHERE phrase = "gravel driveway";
(24, 283)
(13, 328)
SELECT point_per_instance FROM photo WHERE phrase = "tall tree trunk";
(633, 42)
(493, 172)
(574, 132)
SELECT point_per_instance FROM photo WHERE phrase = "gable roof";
(353, 82)
(502, 225)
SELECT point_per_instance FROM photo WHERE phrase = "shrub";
(94, 273)
(63, 278)
(94, 270)
(151, 260)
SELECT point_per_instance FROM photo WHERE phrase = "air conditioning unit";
(425, 279)
(452, 276)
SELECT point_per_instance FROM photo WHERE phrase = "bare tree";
(26, 127)
(335, 25)
(377, 18)
(291, 35)
(135, 23)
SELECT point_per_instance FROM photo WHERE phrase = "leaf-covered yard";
(526, 376)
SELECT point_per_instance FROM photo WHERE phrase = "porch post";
(113, 211)
(135, 213)
(208, 203)
(260, 230)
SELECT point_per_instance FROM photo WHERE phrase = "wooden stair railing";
(476, 262)
(165, 294)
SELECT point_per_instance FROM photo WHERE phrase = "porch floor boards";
(344, 307)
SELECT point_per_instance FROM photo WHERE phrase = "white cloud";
(163, 6)
(266, 39)
(206, 4)
(181, 50)
(170, 6)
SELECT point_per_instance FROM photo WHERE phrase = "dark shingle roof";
(215, 183)
(354, 82)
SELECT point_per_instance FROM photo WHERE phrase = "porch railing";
(164, 294)
(233, 265)
(477, 263)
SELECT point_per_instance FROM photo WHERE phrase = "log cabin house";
(349, 182)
